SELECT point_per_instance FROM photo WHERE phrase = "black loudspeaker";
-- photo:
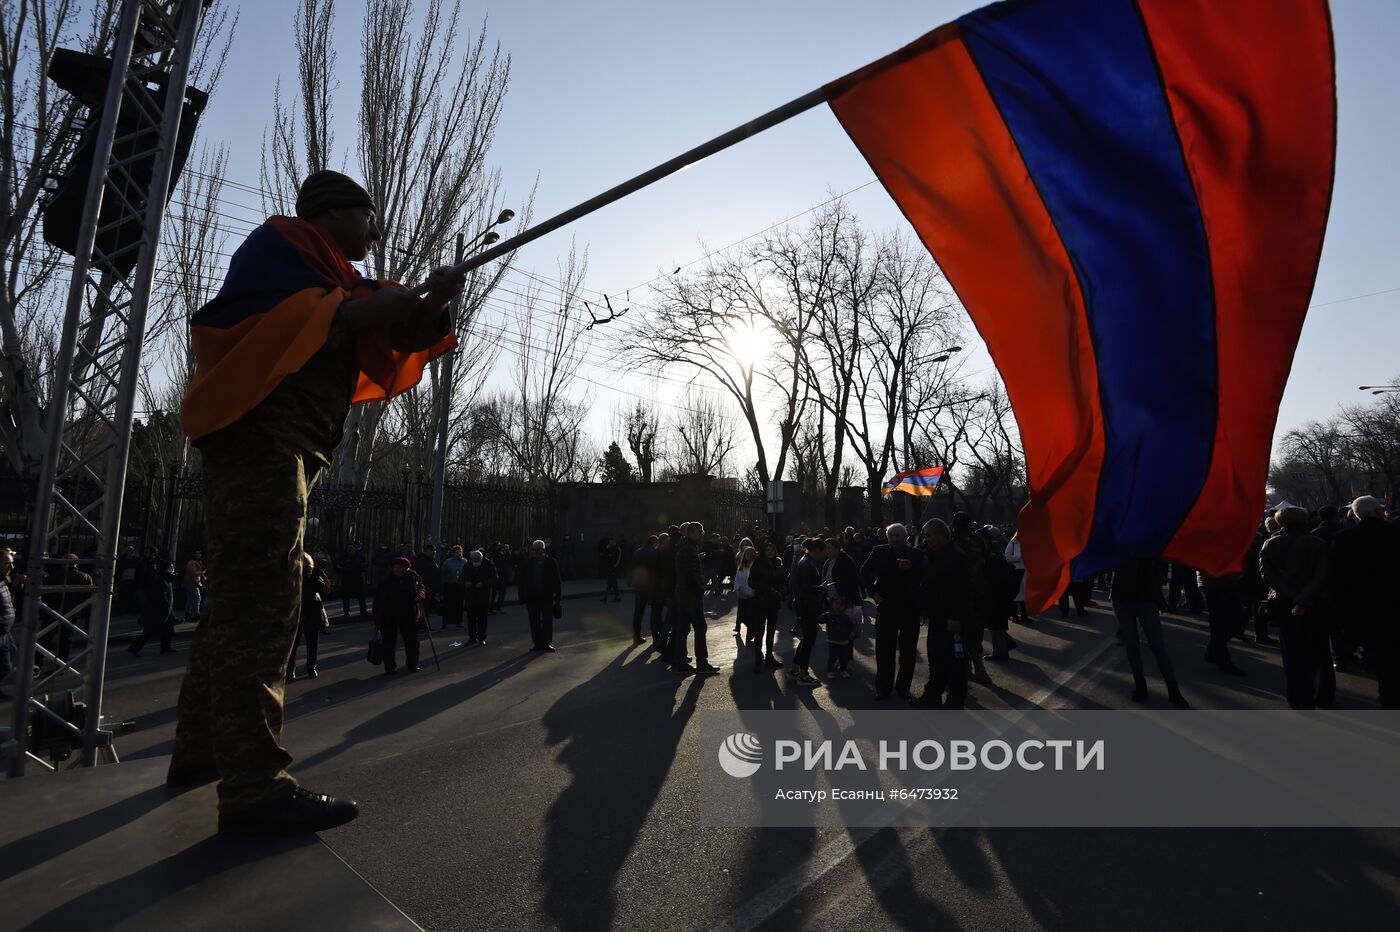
(85, 77)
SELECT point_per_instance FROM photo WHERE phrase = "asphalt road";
(521, 791)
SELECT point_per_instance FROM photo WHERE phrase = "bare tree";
(909, 319)
(640, 424)
(537, 422)
(701, 435)
(1323, 446)
(428, 109)
(1373, 434)
(39, 132)
(835, 268)
(996, 464)
(717, 322)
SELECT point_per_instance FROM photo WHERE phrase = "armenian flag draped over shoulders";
(274, 311)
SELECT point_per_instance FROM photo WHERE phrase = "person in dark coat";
(1365, 558)
(351, 577)
(767, 579)
(397, 610)
(810, 599)
(842, 572)
(1338, 627)
(453, 593)
(126, 598)
(379, 566)
(643, 571)
(611, 566)
(892, 574)
(542, 593)
(663, 588)
(314, 587)
(1137, 597)
(155, 583)
(478, 581)
(946, 598)
(425, 564)
(1294, 565)
(1225, 607)
(690, 603)
(982, 596)
(1255, 592)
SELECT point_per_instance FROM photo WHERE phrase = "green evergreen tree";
(613, 466)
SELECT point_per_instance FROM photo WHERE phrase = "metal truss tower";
(64, 624)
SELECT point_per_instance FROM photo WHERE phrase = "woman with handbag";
(313, 616)
(748, 613)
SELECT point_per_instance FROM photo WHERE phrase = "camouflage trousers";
(230, 706)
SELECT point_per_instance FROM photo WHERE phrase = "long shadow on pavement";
(420, 708)
(593, 824)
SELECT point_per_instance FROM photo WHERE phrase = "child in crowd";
(840, 632)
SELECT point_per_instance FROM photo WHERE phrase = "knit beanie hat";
(326, 190)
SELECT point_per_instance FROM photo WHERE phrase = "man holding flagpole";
(294, 337)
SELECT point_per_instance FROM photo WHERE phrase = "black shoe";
(535, 649)
(298, 812)
(929, 700)
(881, 697)
(291, 674)
(391, 671)
(773, 662)
(481, 643)
(1139, 690)
(906, 695)
(471, 642)
(312, 673)
(706, 668)
(999, 655)
(548, 648)
(638, 641)
(414, 669)
(1175, 697)
(684, 669)
(185, 777)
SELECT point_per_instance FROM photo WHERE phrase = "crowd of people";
(954, 585)
(1322, 581)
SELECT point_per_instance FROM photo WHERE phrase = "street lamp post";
(937, 356)
(1381, 389)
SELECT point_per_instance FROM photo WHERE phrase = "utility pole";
(444, 417)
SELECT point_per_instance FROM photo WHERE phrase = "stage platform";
(111, 848)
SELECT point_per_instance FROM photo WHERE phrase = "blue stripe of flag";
(1078, 86)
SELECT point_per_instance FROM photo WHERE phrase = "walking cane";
(428, 627)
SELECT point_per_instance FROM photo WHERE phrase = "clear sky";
(604, 89)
